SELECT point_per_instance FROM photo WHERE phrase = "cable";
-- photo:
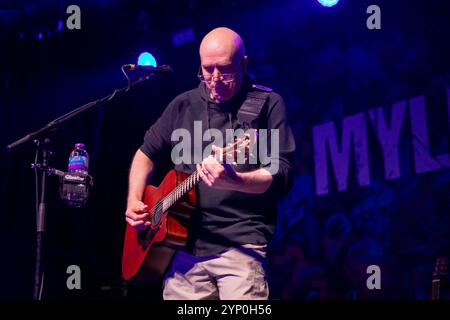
(126, 76)
(36, 180)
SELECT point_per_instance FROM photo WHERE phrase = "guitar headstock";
(240, 150)
(441, 267)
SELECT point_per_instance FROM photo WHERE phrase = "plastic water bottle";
(74, 187)
(79, 159)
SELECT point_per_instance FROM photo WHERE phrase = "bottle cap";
(79, 146)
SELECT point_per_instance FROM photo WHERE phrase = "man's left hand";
(217, 175)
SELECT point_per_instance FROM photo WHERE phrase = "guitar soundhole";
(145, 237)
(156, 216)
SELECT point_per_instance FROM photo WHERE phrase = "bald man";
(236, 211)
(222, 52)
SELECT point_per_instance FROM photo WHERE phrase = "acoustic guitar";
(147, 253)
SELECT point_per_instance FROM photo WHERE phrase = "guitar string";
(184, 187)
(176, 194)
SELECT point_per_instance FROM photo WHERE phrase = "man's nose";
(216, 75)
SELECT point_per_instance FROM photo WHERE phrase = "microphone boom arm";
(53, 125)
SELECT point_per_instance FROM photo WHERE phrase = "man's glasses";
(223, 77)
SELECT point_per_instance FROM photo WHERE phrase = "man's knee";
(248, 284)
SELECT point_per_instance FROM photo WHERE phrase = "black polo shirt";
(225, 217)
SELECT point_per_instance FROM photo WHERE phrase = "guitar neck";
(180, 190)
(439, 274)
(435, 288)
(232, 149)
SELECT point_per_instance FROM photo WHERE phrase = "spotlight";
(328, 3)
(146, 59)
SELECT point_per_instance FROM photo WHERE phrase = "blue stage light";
(328, 3)
(146, 59)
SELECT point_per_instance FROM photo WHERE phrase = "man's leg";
(186, 279)
(240, 273)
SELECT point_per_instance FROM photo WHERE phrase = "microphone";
(164, 69)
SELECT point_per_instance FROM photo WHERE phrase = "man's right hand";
(137, 215)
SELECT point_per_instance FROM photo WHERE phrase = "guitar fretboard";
(231, 150)
(180, 190)
(164, 204)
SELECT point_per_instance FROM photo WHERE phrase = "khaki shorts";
(235, 274)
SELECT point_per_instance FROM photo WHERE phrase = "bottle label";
(78, 163)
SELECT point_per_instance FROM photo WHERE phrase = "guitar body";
(147, 253)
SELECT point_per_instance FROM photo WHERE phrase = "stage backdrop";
(368, 215)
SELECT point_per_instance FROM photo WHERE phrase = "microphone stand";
(42, 170)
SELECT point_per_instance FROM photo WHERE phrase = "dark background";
(323, 61)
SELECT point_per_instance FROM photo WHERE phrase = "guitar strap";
(250, 110)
